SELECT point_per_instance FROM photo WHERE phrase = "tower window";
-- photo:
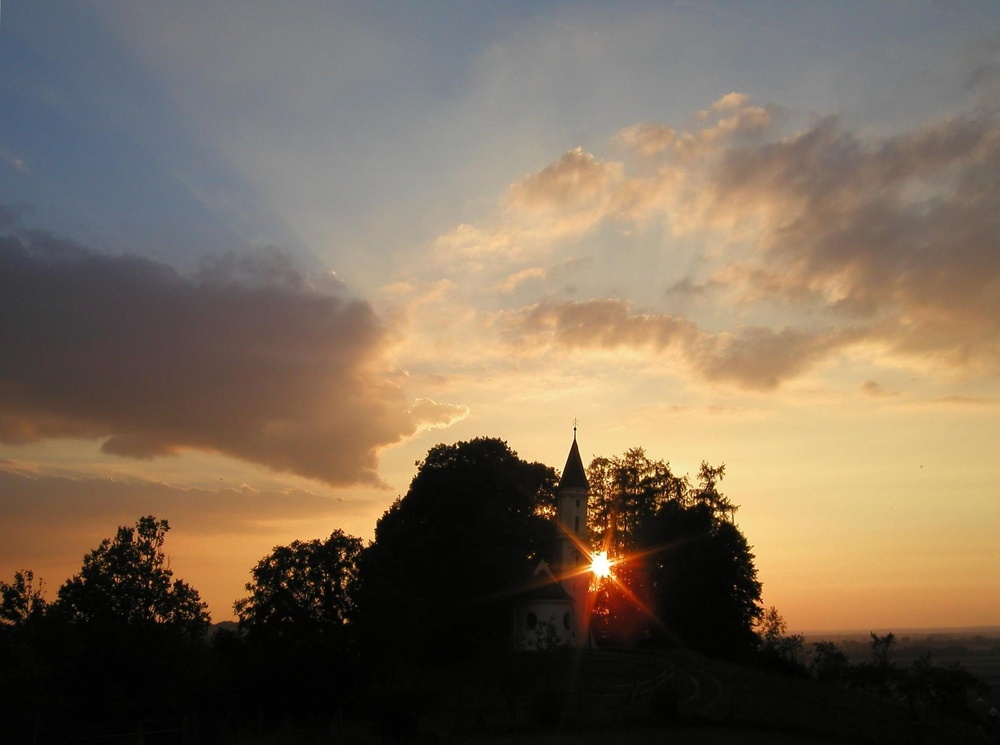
(532, 621)
(576, 524)
(578, 504)
(566, 620)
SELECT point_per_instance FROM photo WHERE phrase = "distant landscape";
(976, 649)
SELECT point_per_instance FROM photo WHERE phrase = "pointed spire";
(574, 476)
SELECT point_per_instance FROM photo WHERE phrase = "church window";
(566, 620)
(578, 504)
(532, 621)
(576, 524)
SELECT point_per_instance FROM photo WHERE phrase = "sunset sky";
(257, 258)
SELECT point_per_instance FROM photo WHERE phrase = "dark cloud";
(755, 358)
(246, 359)
(607, 324)
(896, 236)
(761, 358)
(893, 239)
(903, 231)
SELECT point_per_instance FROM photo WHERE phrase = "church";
(555, 610)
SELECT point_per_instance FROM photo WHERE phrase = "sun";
(600, 564)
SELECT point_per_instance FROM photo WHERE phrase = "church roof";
(544, 587)
(574, 476)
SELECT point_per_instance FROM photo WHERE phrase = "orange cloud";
(754, 358)
(574, 181)
(36, 504)
(903, 229)
(245, 359)
(899, 234)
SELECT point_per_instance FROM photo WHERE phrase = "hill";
(606, 697)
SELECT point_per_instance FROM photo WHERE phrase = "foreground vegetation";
(408, 638)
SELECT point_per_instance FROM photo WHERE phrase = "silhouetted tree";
(23, 676)
(448, 555)
(882, 649)
(685, 572)
(625, 493)
(829, 662)
(927, 688)
(777, 648)
(708, 491)
(21, 600)
(296, 659)
(880, 672)
(124, 637)
(303, 590)
(126, 582)
(704, 581)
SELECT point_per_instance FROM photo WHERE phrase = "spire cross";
(575, 422)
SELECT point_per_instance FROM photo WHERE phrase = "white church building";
(555, 609)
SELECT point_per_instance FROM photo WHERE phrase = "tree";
(22, 676)
(704, 582)
(296, 659)
(684, 570)
(124, 638)
(448, 555)
(21, 600)
(302, 590)
(126, 582)
(777, 648)
(709, 494)
(829, 662)
(882, 650)
(625, 493)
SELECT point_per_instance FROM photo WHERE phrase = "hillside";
(617, 697)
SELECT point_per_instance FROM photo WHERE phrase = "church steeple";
(574, 476)
(574, 555)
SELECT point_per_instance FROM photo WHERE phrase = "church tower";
(574, 556)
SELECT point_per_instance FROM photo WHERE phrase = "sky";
(257, 258)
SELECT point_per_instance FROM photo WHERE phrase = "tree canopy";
(448, 554)
(302, 590)
(127, 581)
(123, 637)
(685, 571)
(21, 600)
(625, 492)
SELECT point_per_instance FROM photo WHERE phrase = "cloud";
(433, 415)
(576, 193)
(557, 204)
(576, 181)
(43, 503)
(876, 390)
(894, 238)
(731, 118)
(12, 160)
(246, 359)
(517, 279)
(902, 230)
(753, 358)
(603, 324)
